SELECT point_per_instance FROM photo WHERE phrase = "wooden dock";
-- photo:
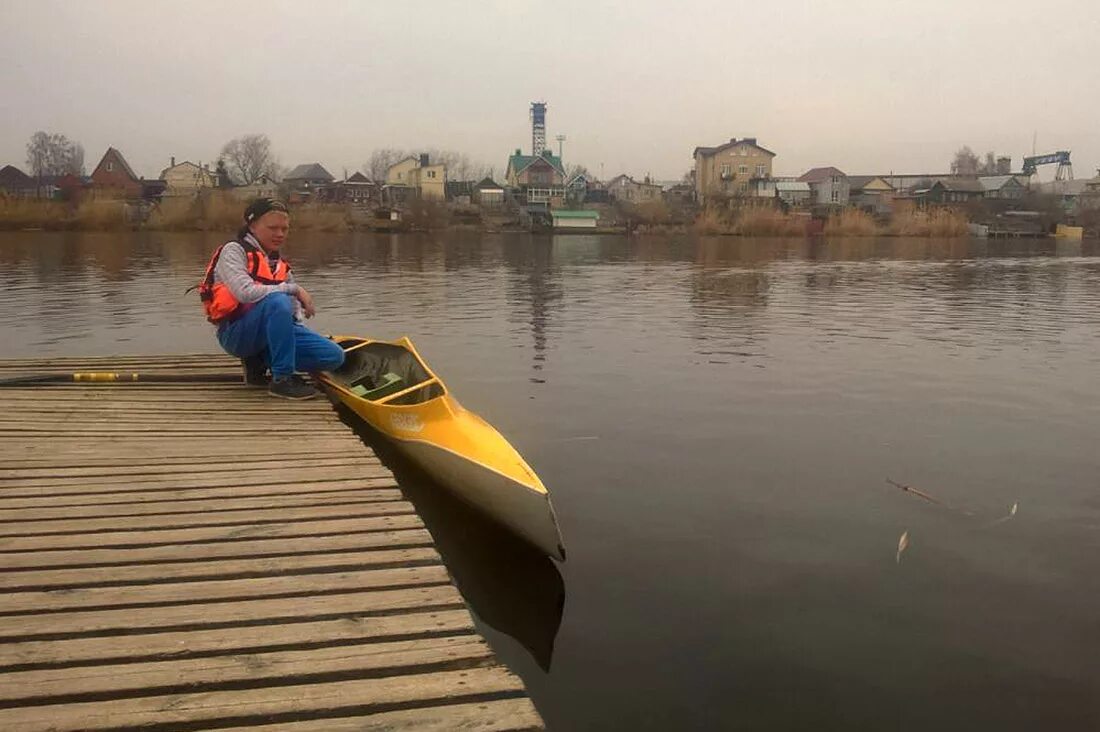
(203, 556)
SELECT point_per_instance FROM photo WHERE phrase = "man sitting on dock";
(250, 294)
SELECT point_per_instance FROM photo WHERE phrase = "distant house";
(460, 191)
(680, 194)
(399, 174)
(537, 179)
(488, 194)
(907, 183)
(1068, 192)
(625, 188)
(728, 169)
(187, 178)
(302, 182)
(828, 185)
(419, 177)
(956, 190)
(576, 188)
(794, 193)
(357, 190)
(869, 192)
(1007, 187)
(1090, 197)
(14, 183)
(262, 187)
(114, 178)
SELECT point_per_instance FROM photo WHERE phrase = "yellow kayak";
(388, 384)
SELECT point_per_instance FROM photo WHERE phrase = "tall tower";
(538, 127)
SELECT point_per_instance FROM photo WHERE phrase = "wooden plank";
(411, 535)
(94, 510)
(359, 696)
(228, 475)
(202, 591)
(186, 539)
(48, 579)
(151, 422)
(108, 428)
(213, 356)
(337, 460)
(198, 674)
(236, 639)
(237, 611)
(110, 462)
(493, 715)
(150, 449)
(150, 524)
(45, 497)
(374, 487)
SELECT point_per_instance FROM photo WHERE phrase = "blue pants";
(268, 330)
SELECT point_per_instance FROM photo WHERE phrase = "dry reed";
(936, 222)
(851, 222)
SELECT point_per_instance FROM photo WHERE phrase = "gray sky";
(870, 86)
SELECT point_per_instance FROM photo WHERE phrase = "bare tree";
(989, 167)
(576, 169)
(459, 165)
(965, 162)
(51, 154)
(380, 161)
(248, 158)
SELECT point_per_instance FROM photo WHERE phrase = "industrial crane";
(1065, 168)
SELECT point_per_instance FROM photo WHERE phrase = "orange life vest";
(218, 301)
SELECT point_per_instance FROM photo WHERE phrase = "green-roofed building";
(538, 179)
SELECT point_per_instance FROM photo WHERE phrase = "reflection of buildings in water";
(728, 304)
(536, 289)
(743, 251)
(509, 586)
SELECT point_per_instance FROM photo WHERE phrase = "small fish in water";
(903, 542)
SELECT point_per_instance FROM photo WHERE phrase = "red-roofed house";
(114, 177)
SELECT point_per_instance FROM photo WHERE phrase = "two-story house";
(537, 179)
(187, 178)
(828, 186)
(417, 174)
(114, 178)
(728, 169)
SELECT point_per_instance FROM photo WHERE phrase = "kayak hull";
(459, 450)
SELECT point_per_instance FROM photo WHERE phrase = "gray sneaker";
(292, 387)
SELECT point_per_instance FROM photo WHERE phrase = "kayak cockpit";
(385, 373)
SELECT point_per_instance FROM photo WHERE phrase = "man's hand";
(307, 302)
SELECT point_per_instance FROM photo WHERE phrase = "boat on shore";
(392, 389)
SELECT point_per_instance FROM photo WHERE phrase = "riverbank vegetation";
(766, 221)
(215, 212)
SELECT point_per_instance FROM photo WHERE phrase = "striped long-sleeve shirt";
(232, 271)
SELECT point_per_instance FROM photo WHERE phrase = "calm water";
(717, 421)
